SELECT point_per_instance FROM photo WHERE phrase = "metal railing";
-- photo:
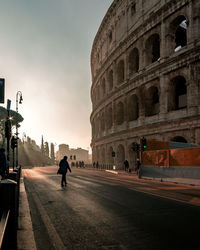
(9, 207)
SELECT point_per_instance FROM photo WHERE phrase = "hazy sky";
(45, 48)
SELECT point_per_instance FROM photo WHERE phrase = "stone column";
(141, 101)
(192, 89)
(163, 96)
(163, 47)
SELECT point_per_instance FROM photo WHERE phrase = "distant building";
(78, 154)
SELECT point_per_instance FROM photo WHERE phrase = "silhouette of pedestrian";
(126, 165)
(63, 167)
(3, 164)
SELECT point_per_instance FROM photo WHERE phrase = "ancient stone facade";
(145, 64)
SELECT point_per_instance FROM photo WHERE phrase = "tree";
(16, 118)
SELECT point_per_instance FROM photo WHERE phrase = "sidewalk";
(186, 181)
(25, 235)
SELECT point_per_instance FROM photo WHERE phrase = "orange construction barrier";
(185, 157)
(157, 145)
(173, 157)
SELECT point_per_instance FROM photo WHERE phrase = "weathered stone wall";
(145, 64)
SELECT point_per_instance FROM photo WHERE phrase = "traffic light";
(13, 142)
(113, 154)
(143, 143)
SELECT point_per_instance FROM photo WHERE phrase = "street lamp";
(19, 94)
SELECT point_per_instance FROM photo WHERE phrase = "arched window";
(133, 108)
(120, 113)
(110, 80)
(134, 61)
(179, 139)
(120, 72)
(153, 49)
(152, 101)
(179, 26)
(177, 93)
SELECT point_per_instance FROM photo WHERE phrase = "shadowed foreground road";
(99, 210)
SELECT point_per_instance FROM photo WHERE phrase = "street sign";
(2, 90)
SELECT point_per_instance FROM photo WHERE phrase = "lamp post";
(19, 94)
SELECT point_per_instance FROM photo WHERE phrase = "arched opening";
(110, 80)
(179, 139)
(120, 157)
(120, 72)
(177, 93)
(134, 61)
(153, 49)
(109, 156)
(133, 108)
(120, 113)
(152, 106)
(180, 26)
(109, 117)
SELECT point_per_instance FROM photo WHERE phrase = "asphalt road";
(99, 210)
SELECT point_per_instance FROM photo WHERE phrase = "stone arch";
(179, 32)
(120, 72)
(119, 113)
(110, 80)
(177, 98)
(120, 156)
(133, 61)
(152, 49)
(179, 139)
(133, 108)
(109, 156)
(152, 106)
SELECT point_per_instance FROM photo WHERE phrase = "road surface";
(100, 210)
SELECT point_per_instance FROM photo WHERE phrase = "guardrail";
(9, 207)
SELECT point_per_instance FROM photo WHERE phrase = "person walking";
(3, 164)
(63, 167)
(126, 165)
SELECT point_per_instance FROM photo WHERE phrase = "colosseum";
(145, 64)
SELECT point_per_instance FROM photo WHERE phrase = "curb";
(25, 235)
